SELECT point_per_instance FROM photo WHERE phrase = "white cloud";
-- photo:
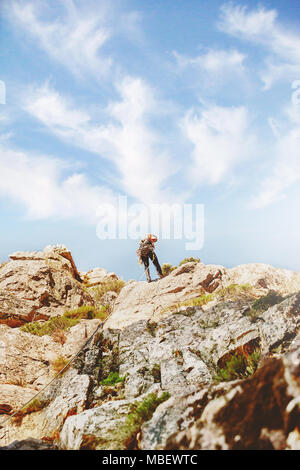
(262, 27)
(126, 139)
(141, 159)
(74, 39)
(221, 139)
(54, 110)
(285, 170)
(236, 20)
(213, 61)
(40, 185)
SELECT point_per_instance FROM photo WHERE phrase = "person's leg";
(157, 265)
(145, 259)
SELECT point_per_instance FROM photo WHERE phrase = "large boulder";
(66, 396)
(97, 276)
(101, 425)
(28, 361)
(37, 285)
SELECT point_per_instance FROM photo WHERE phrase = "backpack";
(145, 248)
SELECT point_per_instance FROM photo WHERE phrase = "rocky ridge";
(212, 353)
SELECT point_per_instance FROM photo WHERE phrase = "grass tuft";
(114, 285)
(235, 291)
(112, 379)
(141, 411)
(188, 260)
(167, 268)
(240, 366)
(263, 303)
(64, 322)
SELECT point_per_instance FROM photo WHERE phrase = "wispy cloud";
(46, 187)
(125, 137)
(75, 37)
(213, 61)
(221, 139)
(285, 167)
(261, 26)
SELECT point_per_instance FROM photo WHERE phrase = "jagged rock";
(109, 298)
(100, 428)
(260, 413)
(13, 396)
(141, 300)
(101, 423)
(65, 397)
(97, 276)
(30, 444)
(155, 348)
(27, 359)
(37, 285)
(164, 423)
(179, 354)
(265, 277)
(187, 350)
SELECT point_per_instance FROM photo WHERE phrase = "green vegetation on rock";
(59, 363)
(234, 291)
(64, 322)
(112, 379)
(263, 303)
(110, 285)
(141, 411)
(239, 366)
(188, 260)
(87, 312)
(37, 404)
(167, 268)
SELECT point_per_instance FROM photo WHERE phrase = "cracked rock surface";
(155, 343)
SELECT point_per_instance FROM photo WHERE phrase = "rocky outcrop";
(140, 300)
(37, 285)
(195, 338)
(261, 413)
(28, 361)
(30, 444)
(181, 354)
(97, 276)
(99, 283)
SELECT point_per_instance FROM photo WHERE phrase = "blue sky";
(163, 102)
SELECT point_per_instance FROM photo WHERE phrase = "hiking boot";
(148, 275)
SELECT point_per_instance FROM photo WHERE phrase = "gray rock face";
(102, 423)
(261, 413)
(148, 348)
(29, 444)
(180, 354)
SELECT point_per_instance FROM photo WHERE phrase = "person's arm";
(153, 240)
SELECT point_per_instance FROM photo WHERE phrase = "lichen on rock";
(220, 345)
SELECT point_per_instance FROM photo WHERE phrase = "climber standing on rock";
(146, 252)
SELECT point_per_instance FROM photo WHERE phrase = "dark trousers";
(153, 257)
